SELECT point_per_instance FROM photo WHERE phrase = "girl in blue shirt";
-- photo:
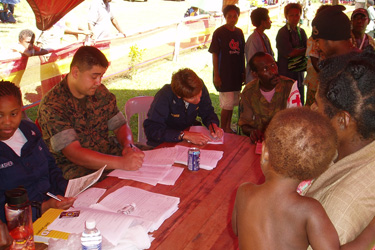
(25, 159)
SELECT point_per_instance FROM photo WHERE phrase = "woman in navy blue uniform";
(25, 159)
(176, 107)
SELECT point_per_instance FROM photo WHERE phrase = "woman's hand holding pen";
(196, 138)
(216, 132)
(65, 203)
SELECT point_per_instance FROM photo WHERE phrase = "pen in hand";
(53, 196)
(213, 129)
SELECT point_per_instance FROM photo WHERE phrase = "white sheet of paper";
(149, 206)
(159, 157)
(89, 197)
(172, 176)
(78, 185)
(208, 158)
(205, 131)
(146, 174)
(111, 225)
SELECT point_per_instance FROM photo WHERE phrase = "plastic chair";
(139, 105)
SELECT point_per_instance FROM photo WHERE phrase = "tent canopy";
(48, 12)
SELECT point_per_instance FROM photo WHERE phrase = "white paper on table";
(208, 158)
(78, 185)
(149, 206)
(89, 197)
(111, 225)
(159, 157)
(205, 131)
(172, 176)
(146, 174)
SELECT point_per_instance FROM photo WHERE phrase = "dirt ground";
(132, 16)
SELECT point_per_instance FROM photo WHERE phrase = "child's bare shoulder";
(310, 206)
(246, 188)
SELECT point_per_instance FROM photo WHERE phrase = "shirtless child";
(299, 145)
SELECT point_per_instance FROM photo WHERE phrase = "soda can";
(193, 159)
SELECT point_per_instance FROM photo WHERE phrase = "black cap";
(16, 196)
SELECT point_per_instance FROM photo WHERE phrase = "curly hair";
(258, 15)
(10, 89)
(290, 6)
(301, 143)
(185, 83)
(346, 84)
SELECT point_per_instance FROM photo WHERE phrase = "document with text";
(78, 185)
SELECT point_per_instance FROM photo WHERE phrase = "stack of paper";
(149, 207)
(156, 168)
(208, 158)
(151, 210)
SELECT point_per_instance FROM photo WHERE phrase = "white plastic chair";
(139, 105)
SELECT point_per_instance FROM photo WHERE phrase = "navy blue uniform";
(168, 116)
(35, 169)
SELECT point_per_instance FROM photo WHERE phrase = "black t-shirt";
(229, 46)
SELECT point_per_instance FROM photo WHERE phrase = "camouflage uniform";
(255, 110)
(65, 119)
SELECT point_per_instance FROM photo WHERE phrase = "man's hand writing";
(132, 158)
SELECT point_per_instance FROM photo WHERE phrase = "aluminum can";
(193, 159)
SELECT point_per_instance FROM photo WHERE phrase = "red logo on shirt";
(234, 46)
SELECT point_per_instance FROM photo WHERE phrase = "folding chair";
(139, 105)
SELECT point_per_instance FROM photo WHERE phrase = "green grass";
(147, 81)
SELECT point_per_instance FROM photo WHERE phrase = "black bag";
(297, 64)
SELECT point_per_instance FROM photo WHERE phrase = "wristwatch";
(181, 136)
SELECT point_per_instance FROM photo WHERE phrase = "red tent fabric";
(48, 12)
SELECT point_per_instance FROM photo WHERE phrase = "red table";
(203, 220)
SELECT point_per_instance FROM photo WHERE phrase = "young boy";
(24, 157)
(227, 48)
(299, 145)
(26, 45)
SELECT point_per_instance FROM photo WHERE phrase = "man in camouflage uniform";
(77, 115)
(262, 97)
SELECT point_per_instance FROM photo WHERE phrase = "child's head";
(187, 85)
(301, 143)
(10, 109)
(25, 36)
(231, 14)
